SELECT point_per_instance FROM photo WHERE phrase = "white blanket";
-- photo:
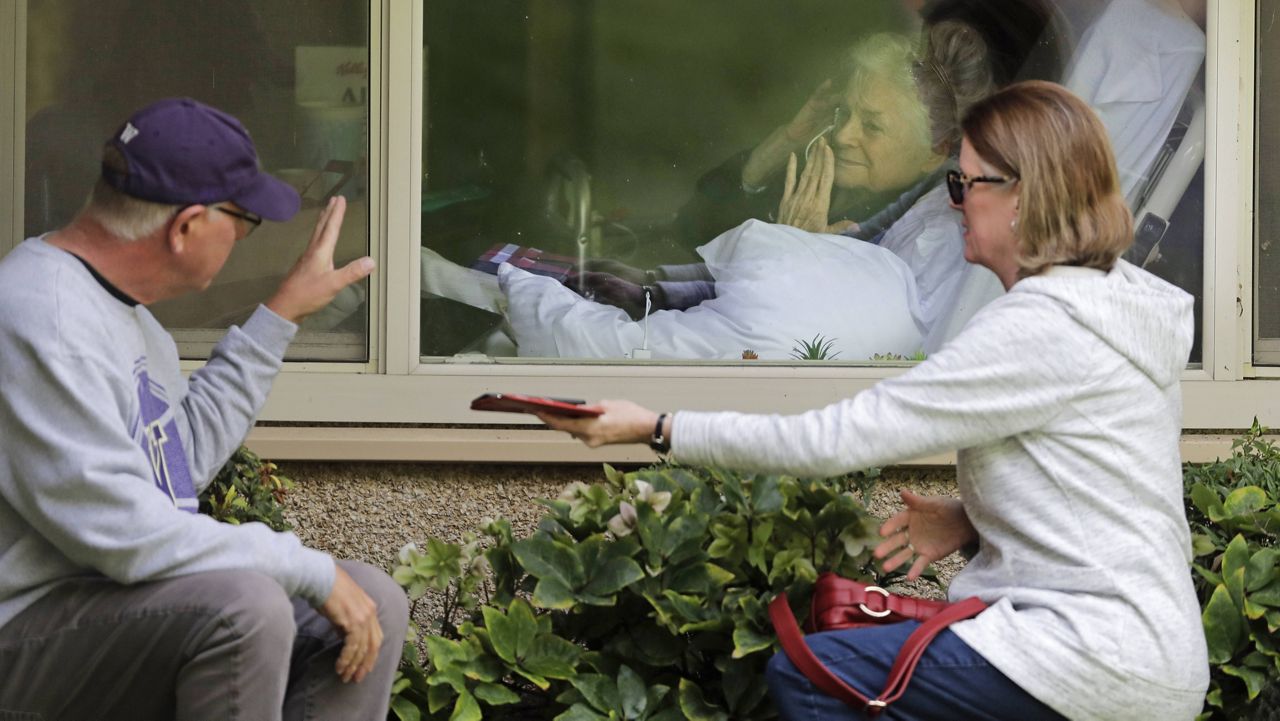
(776, 287)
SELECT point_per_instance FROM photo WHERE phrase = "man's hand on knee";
(353, 613)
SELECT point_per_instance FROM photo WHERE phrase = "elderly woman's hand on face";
(817, 113)
(806, 204)
(621, 422)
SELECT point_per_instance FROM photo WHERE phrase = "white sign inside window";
(332, 75)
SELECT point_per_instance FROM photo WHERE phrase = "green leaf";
(580, 712)
(510, 633)
(1253, 611)
(446, 658)
(631, 693)
(747, 641)
(599, 691)
(742, 688)
(405, 710)
(1261, 569)
(466, 708)
(718, 575)
(1202, 545)
(552, 593)
(1203, 497)
(438, 697)
(1269, 596)
(614, 576)
(695, 707)
(1223, 626)
(757, 552)
(552, 657)
(1273, 620)
(1234, 561)
(533, 678)
(688, 607)
(765, 496)
(545, 558)
(1254, 680)
(614, 476)
(495, 694)
(1246, 500)
(731, 488)
(403, 575)
(1210, 578)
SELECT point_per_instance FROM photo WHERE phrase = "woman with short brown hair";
(1073, 212)
(1063, 397)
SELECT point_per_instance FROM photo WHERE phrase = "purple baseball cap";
(183, 152)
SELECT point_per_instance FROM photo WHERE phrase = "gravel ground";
(368, 511)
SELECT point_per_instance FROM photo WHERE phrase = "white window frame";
(398, 407)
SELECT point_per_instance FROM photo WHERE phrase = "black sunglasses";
(958, 183)
(253, 220)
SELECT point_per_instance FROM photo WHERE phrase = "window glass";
(613, 155)
(295, 74)
(1267, 231)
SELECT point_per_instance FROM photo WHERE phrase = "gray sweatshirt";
(104, 444)
(1063, 397)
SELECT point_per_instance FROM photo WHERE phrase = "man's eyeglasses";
(253, 220)
(958, 183)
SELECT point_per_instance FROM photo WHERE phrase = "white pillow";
(776, 286)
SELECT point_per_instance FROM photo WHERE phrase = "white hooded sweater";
(1063, 397)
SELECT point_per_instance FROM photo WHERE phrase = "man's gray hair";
(123, 216)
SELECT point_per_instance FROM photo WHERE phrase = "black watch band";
(658, 441)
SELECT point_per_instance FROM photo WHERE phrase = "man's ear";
(181, 228)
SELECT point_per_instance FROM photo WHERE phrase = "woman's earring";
(1013, 224)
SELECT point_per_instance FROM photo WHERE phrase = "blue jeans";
(951, 682)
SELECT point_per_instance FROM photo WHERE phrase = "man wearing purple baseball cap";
(117, 600)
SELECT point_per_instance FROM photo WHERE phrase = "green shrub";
(247, 489)
(1235, 522)
(640, 597)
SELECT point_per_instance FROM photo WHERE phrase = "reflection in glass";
(1266, 302)
(296, 75)
(613, 153)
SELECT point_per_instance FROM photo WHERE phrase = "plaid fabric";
(530, 259)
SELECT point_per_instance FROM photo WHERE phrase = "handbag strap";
(840, 603)
(792, 641)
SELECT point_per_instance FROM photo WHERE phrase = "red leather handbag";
(840, 603)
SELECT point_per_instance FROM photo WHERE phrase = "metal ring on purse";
(875, 614)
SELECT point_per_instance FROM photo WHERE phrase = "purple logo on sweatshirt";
(157, 433)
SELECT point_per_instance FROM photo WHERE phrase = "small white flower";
(622, 524)
(657, 500)
(572, 491)
(407, 553)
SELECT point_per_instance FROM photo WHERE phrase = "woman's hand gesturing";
(806, 203)
(928, 529)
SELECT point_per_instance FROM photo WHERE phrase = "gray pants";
(225, 645)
